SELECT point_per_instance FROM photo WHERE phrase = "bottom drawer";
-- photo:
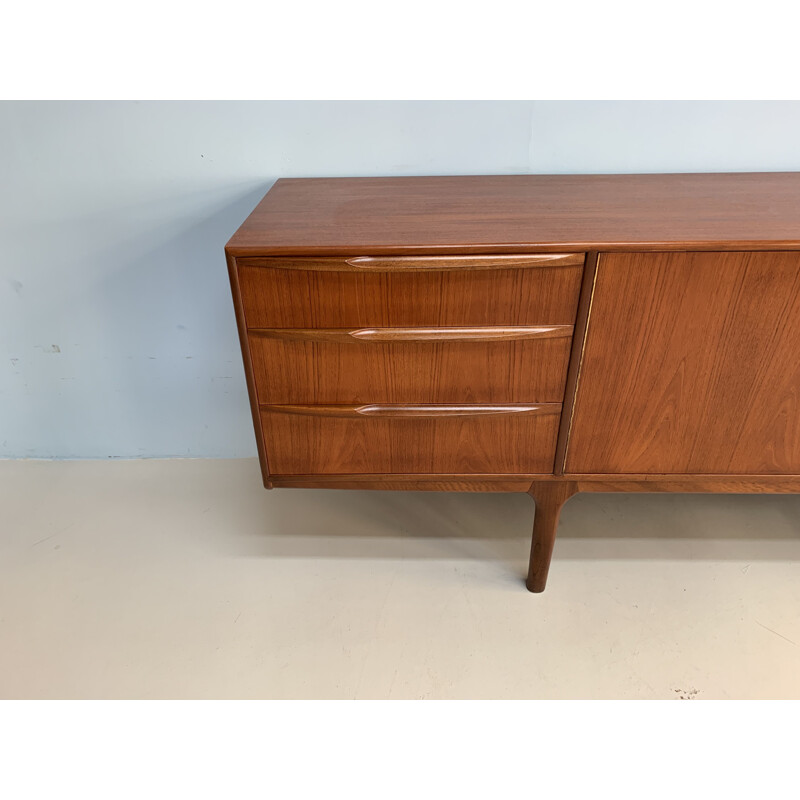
(458, 440)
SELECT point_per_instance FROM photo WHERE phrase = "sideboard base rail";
(550, 494)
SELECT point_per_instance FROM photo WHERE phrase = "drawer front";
(432, 291)
(331, 440)
(401, 365)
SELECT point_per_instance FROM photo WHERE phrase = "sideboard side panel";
(241, 324)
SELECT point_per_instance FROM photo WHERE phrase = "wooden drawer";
(411, 290)
(411, 365)
(329, 440)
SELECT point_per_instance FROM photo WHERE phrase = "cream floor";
(186, 579)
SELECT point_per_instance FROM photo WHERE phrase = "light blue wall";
(117, 335)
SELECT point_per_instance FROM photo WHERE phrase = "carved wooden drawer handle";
(398, 410)
(385, 263)
(485, 334)
(414, 263)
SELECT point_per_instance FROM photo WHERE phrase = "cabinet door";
(691, 365)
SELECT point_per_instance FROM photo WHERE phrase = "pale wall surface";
(117, 334)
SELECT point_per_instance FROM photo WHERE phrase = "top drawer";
(410, 290)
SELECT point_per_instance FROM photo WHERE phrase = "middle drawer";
(411, 365)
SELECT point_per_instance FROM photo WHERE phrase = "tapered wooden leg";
(549, 497)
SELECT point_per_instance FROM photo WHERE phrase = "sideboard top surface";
(523, 213)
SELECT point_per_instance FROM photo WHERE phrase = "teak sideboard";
(548, 334)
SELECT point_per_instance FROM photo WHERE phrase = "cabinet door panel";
(691, 365)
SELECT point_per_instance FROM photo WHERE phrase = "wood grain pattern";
(691, 366)
(302, 444)
(481, 334)
(720, 484)
(299, 298)
(524, 371)
(406, 483)
(430, 263)
(523, 213)
(717, 484)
